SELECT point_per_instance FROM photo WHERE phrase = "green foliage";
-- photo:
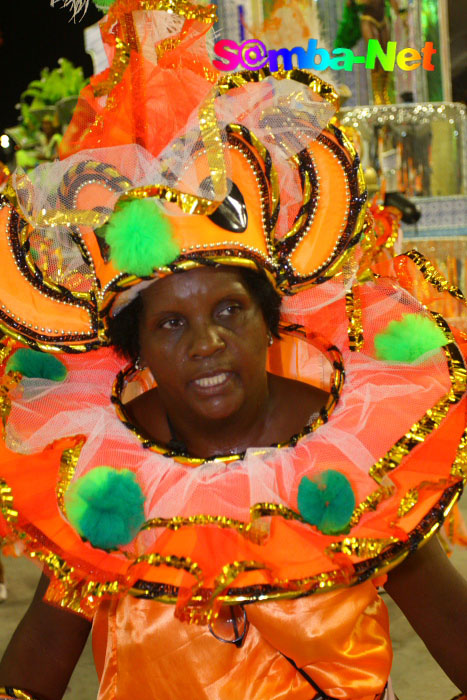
(106, 507)
(348, 32)
(327, 501)
(37, 365)
(140, 238)
(64, 81)
(408, 339)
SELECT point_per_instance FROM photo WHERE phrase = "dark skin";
(205, 325)
(197, 329)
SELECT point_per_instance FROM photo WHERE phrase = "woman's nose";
(206, 340)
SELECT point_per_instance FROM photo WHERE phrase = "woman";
(232, 493)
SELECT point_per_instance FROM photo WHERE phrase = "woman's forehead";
(199, 283)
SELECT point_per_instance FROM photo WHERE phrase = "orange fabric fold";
(341, 639)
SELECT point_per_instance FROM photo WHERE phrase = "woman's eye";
(230, 310)
(171, 323)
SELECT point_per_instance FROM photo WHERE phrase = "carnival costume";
(245, 169)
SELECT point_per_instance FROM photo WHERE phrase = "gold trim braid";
(432, 275)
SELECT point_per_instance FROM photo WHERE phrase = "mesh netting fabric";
(379, 404)
(284, 115)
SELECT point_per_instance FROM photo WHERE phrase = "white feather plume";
(77, 5)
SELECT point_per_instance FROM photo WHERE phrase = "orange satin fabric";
(341, 639)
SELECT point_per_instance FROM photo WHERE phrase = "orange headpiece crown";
(244, 169)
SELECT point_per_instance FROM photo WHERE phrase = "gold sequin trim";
(212, 139)
(370, 503)
(231, 571)
(188, 203)
(68, 464)
(262, 510)
(11, 195)
(67, 591)
(408, 502)
(179, 521)
(6, 503)
(353, 309)
(183, 8)
(117, 69)
(80, 217)
(6, 348)
(434, 277)
(459, 466)
(361, 547)
(180, 563)
(167, 45)
(432, 419)
(9, 381)
(71, 593)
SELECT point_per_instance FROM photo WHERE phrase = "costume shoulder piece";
(250, 172)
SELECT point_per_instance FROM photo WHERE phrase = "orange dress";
(340, 640)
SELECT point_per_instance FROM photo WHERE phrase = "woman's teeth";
(211, 381)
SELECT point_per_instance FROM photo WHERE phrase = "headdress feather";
(77, 5)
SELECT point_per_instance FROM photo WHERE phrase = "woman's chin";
(218, 411)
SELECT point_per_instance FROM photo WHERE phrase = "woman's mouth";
(213, 381)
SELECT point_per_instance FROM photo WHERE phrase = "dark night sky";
(36, 35)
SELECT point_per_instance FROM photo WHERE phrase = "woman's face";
(205, 340)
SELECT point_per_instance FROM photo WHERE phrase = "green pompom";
(327, 501)
(106, 507)
(103, 5)
(140, 238)
(408, 339)
(37, 365)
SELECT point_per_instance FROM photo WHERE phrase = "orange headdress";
(240, 169)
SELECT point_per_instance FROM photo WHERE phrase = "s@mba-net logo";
(252, 54)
